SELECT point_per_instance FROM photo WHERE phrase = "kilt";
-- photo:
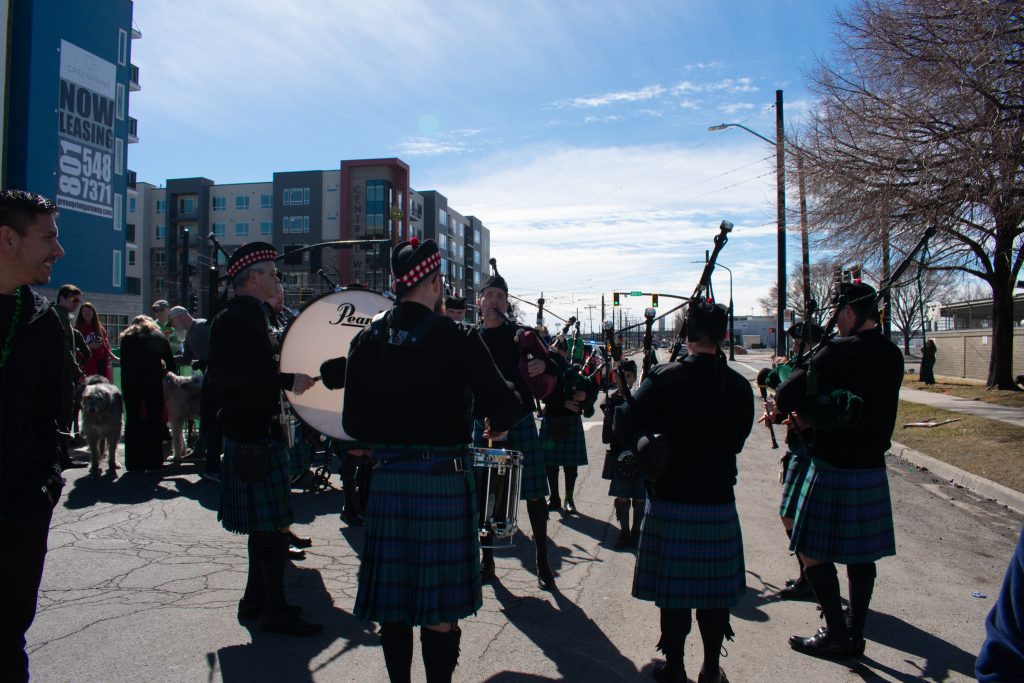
(628, 488)
(267, 506)
(796, 472)
(690, 556)
(844, 516)
(420, 563)
(570, 449)
(300, 457)
(522, 437)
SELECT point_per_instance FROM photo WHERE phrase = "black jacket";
(30, 402)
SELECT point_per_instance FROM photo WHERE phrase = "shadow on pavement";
(749, 606)
(274, 657)
(596, 529)
(588, 649)
(941, 657)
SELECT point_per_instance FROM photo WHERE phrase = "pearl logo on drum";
(348, 316)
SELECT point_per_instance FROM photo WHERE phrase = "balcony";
(133, 129)
(131, 178)
(136, 33)
(133, 78)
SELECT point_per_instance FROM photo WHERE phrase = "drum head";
(323, 330)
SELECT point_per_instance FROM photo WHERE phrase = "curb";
(972, 482)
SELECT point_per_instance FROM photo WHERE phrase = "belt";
(441, 461)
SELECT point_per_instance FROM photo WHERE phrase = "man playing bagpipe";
(796, 460)
(849, 394)
(693, 418)
(627, 482)
(561, 428)
(410, 377)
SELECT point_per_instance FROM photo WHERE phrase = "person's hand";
(360, 452)
(493, 435)
(793, 420)
(579, 396)
(302, 383)
(573, 406)
(770, 413)
(536, 367)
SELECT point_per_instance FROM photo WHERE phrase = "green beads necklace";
(14, 326)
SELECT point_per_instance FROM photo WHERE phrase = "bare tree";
(920, 120)
(821, 282)
(909, 301)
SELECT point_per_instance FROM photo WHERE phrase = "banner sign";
(85, 132)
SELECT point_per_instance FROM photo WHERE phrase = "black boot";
(487, 559)
(862, 584)
(396, 640)
(832, 640)
(440, 653)
(571, 472)
(276, 615)
(638, 520)
(554, 502)
(798, 588)
(675, 626)
(538, 514)
(622, 514)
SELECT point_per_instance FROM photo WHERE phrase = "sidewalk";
(1014, 416)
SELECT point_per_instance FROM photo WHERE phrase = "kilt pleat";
(844, 516)
(690, 556)
(266, 506)
(628, 488)
(522, 437)
(420, 564)
(570, 450)
(796, 472)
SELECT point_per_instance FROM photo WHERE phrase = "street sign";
(637, 293)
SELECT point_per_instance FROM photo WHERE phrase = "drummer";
(410, 376)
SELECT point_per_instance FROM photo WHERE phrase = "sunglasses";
(157, 309)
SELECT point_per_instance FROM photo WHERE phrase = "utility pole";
(590, 308)
(809, 309)
(184, 267)
(780, 174)
(602, 312)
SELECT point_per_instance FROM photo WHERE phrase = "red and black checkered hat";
(248, 254)
(412, 261)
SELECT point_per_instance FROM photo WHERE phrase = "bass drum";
(323, 330)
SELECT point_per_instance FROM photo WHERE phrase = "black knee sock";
(675, 626)
(622, 514)
(254, 582)
(488, 553)
(638, 514)
(713, 623)
(273, 546)
(862, 583)
(440, 653)
(348, 486)
(825, 583)
(571, 472)
(552, 471)
(799, 560)
(396, 640)
(538, 513)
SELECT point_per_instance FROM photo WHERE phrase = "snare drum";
(498, 476)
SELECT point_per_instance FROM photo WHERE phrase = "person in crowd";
(69, 297)
(928, 352)
(33, 375)
(561, 432)
(255, 492)
(196, 350)
(697, 415)
(455, 308)
(420, 563)
(145, 358)
(627, 483)
(1001, 659)
(95, 335)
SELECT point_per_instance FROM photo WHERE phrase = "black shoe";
(352, 518)
(545, 579)
(634, 537)
(296, 554)
(248, 610)
(624, 539)
(569, 508)
(717, 678)
(72, 465)
(487, 570)
(299, 541)
(554, 504)
(289, 625)
(662, 674)
(798, 590)
(823, 644)
(857, 648)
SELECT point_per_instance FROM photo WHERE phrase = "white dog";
(181, 396)
(102, 407)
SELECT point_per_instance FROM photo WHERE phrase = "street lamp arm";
(723, 126)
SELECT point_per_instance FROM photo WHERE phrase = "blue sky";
(577, 131)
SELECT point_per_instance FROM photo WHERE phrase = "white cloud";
(647, 93)
(735, 107)
(446, 142)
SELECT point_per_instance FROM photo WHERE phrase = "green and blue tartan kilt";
(796, 472)
(300, 456)
(420, 562)
(522, 437)
(844, 516)
(690, 556)
(570, 449)
(246, 508)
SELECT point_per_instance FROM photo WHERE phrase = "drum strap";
(441, 463)
(380, 328)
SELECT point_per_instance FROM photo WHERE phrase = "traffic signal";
(193, 304)
(654, 300)
(615, 298)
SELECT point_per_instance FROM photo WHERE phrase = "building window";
(220, 203)
(442, 241)
(117, 268)
(122, 46)
(131, 257)
(161, 232)
(295, 224)
(242, 229)
(159, 285)
(242, 203)
(476, 278)
(118, 211)
(161, 206)
(118, 156)
(160, 257)
(131, 205)
(295, 196)
(476, 235)
(476, 258)
(266, 201)
(266, 227)
(186, 205)
(442, 218)
(219, 229)
(120, 102)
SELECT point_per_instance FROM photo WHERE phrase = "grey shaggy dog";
(181, 396)
(102, 408)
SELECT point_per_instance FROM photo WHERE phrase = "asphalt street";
(141, 584)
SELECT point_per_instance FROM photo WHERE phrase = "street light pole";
(732, 330)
